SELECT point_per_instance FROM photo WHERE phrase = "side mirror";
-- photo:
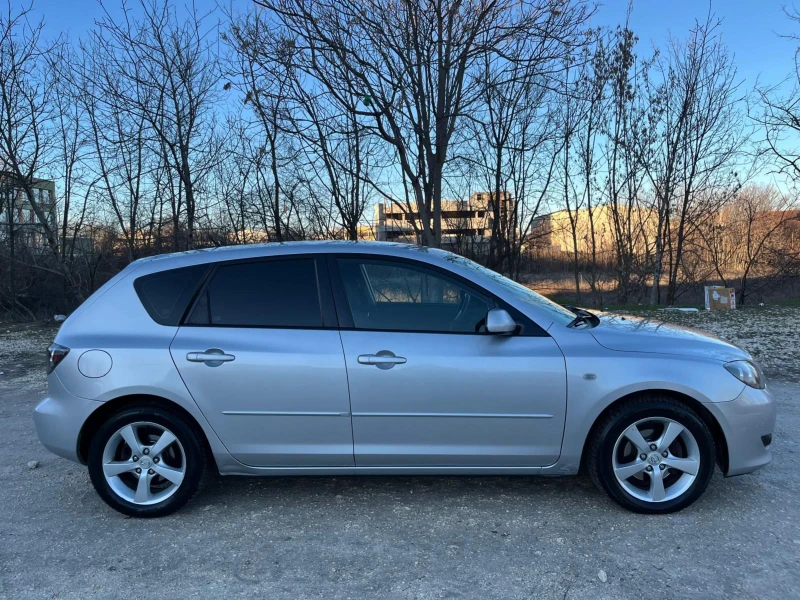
(499, 321)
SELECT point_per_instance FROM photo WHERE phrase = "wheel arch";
(720, 442)
(99, 416)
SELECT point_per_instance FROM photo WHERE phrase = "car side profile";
(352, 358)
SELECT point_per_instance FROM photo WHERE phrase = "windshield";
(558, 313)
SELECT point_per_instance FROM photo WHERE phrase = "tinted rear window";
(274, 293)
(166, 295)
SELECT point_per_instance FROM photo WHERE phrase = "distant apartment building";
(17, 216)
(474, 218)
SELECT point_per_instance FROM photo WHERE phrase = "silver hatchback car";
(337, 358)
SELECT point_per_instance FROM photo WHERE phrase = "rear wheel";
(652, 454)
(146, 462)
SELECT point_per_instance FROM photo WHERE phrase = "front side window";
(556, 312)
(395, 296)
(273, 293)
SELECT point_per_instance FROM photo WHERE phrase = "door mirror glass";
(499, 321)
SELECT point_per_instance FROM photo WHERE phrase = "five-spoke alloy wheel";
(146, 462)
(656, 459)
(652, 454)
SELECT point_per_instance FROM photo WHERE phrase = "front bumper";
(746, 423)
(59, 418)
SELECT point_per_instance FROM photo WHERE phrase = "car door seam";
(188, 391)
(349, 395)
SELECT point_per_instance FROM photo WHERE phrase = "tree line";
(167, 130)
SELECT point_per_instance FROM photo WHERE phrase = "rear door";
(261, 355)
(428, 386)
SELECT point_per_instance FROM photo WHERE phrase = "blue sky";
(751, 28)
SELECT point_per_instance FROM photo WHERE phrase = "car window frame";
(328, 312)
(527, 327)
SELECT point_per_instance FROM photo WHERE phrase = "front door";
(263, 366)
(428, 386)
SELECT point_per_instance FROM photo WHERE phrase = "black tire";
(195, 452)
(601, 450)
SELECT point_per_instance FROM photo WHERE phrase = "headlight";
(748, 373)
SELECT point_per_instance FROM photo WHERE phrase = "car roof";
(447, 260)
(175, 260)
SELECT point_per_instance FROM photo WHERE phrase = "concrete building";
(17, 212)
(473, 218)
(555, 229)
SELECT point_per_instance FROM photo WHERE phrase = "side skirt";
(240, 469)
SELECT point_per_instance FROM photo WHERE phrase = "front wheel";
(146, 462)
(652, 455)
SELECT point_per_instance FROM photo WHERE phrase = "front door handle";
(383, 359)
(213, 357)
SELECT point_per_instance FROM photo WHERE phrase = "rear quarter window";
(166, 295)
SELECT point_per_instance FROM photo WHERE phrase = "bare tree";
(232, 183)
(338, 103)
(300, 122)
(338, 152)
(513, 142)
(413, 67)
(26, 116)
(751, 239)
(591, 91)
(701, 135)
(624, 130)
(40, 137)
(162, 72)
(777, 111)
(120, 143)
(71, 160)
(572, 114)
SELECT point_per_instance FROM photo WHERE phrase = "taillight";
(55, 354)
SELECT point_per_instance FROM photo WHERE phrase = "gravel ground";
(390, 537)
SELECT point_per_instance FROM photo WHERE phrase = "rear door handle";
(213, 357)
(383, 359)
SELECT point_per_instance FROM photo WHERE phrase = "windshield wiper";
(583, 316)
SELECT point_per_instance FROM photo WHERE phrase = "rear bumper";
(746, 423)
(59, 418)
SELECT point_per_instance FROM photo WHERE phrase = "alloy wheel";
(144, 463)
(656, 459)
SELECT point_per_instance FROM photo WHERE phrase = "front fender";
(597, 378)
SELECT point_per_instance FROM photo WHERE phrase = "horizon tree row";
(166, 129)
